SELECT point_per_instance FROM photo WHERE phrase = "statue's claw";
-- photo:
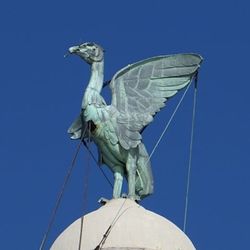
(135, 198)
(103, 201)
(125, 196)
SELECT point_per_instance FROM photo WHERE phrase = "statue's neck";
(95, 82)
(96, 78)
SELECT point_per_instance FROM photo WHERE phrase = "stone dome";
(122, 224)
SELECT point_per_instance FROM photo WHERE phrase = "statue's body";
(139, 91)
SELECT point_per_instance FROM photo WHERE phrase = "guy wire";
(106, 234)
(190, 154)
(85, 190)
(167, 125)
(60, 195)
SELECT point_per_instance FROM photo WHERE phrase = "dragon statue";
(139, 91)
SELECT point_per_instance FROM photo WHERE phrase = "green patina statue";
(139, 91)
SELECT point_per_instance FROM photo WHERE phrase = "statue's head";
(90, 52)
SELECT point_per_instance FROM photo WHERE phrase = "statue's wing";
(140, 90)
(77, 128)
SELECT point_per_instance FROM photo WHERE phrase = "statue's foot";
(103, 201)
(135, 198)
(125, 196)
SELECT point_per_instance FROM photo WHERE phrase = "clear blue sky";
(41, 94)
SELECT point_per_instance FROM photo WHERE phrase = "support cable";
(190, 154)
(60, 195)
(98, 165)
(85, 190)
(106, 234)
(65, 182)
(167, 125)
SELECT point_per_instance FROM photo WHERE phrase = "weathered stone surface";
(132, 228)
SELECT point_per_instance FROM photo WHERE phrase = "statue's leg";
(131, 171)
(144, 179)
(117, 189)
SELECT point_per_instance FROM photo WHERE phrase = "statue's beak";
(72, 50)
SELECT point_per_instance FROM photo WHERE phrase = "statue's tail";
(144, 178)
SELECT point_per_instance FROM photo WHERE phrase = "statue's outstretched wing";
(140, 90)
